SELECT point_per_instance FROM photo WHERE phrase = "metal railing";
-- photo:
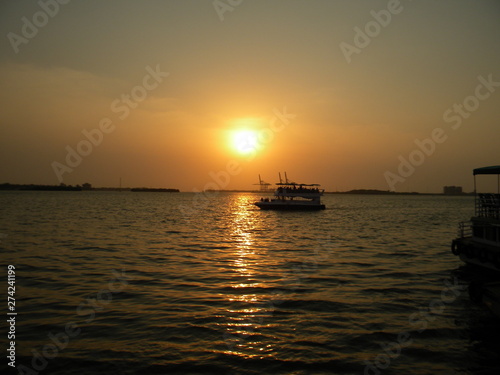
(488, 205)
(464, 229)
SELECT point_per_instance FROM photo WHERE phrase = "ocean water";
(158, 283)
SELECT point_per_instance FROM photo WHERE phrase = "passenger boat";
(478, 240)
(487, 294)
(293, 196)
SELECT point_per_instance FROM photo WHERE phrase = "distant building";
(452, 190)
(87, 186)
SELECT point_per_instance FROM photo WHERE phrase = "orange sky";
(172, 81)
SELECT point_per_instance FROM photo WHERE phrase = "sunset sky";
(333, 92)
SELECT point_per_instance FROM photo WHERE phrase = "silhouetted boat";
(478, 240)
(487, 294)
(293, 196)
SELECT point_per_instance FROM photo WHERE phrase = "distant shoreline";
(87, 187)
(387, 192)
(84, 187)
(353, 192)
(153, 190)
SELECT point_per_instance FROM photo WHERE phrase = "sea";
(206, 283)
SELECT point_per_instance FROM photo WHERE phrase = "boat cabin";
(486, 220)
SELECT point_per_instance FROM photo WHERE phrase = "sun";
(245, 141)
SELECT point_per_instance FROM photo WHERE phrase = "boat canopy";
(487, 170)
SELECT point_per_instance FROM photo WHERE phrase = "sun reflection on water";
(248, 317)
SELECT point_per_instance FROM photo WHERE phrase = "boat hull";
(477, 253)
(290, 206)
(487, 294)
(491, 297)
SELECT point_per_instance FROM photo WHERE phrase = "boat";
(487, 294)
(293, 196)
(478, 240)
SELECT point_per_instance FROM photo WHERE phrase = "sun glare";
(245, 141)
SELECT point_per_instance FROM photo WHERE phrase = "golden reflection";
(248, 317)
(243, 298)
(242, 228)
